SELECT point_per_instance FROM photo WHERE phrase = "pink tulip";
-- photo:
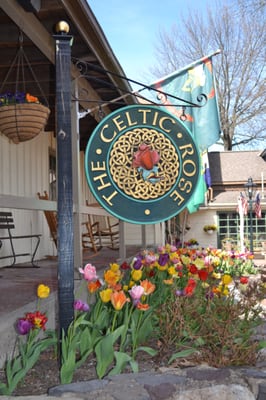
(136, 292)
(89, 272)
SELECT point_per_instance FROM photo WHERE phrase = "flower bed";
(194, 301)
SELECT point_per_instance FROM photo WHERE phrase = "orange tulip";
(147, 286)
(118, 300)
(93, 286)
(143, 307)
(112, 277)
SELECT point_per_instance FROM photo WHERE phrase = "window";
(229, 228)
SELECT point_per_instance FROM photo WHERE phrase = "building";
(230, 171)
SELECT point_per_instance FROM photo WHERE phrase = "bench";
(7, 224)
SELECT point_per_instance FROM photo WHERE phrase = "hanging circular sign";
(142, 164)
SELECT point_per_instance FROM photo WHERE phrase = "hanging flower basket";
(22, 122)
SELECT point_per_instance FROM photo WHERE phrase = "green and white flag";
(194, 84)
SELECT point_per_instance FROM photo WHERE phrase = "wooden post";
(64, 178)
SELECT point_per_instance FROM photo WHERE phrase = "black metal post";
(65, 246)
(250, 226)
(250, 186)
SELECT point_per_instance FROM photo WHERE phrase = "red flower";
(203, 274)
(125, 266)
(243, 280)
(193, 269)
(189, 289)
(37, 319)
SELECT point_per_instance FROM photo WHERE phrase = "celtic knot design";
(129, 179)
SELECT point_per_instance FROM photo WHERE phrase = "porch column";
(64, 177)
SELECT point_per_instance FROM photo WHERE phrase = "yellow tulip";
(226, 279)
(172, 271)
(114, 267)
(136, 274)
(105, 295)
(43, 291)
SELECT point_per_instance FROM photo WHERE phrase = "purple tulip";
(80, 305)
(137, 262)
(163, 259)
(209, 295)
(24, 326)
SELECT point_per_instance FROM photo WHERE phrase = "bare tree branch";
(239, 31)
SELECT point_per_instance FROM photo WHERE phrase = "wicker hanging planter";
(22, 116)
(22, 122)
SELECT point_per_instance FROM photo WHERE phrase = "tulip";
(163, 259)
(105, 295)
(24, 326)
(94, 286)
(112, 277)
(148, 287)
(136, 293)
(136, 274)
(118, 300)
(43, 291)
(137, 263)
(37, 319)
(89, 272)
(80, 305)
(203, 274)
(226, 279)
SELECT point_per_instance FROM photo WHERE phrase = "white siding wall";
(24, 172)
(196, 221)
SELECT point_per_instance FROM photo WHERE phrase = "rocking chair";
(50, 218)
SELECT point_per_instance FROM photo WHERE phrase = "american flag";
(244, 204)
(257, 207)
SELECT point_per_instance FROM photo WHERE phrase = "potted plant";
(210, 228)
(22, 116)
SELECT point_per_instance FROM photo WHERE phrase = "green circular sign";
(142, 164)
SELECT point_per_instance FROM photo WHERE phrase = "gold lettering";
(101, 179)
(108, 199)
(144, 115)
(98, 166)
(189, 171)
(154, 122)
(130, 123)
(118, 123)
(177, 196)
(189, 150)
(185, 185)
(162, 120)
(105, 139)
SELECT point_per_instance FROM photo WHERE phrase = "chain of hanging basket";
(22, 116)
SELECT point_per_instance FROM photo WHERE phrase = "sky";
(132, 28)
